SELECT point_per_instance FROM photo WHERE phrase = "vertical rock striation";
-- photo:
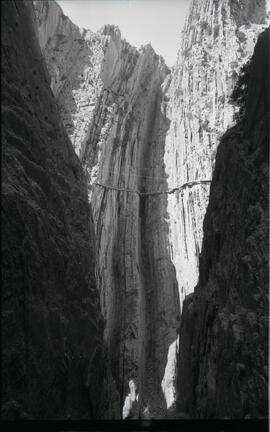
(74, 59)
(218, 39)
(139, 132)
(52, 327)
(224, 326)
(112, 101)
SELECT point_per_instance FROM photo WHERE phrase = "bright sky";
(140, 21)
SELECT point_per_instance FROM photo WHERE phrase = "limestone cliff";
(147, 140)
(218, 38)
(52, 327)
(111, 99)
(224, 330)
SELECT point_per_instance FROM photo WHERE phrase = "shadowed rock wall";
(52, 327)
(224, 326)
(138, 130)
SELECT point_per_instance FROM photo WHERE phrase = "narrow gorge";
(135, 217)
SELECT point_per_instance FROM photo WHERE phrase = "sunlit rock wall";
(218, 38)
(74, 57)
(112, 102)
(136, 277)
(224, 326)
(140, 129)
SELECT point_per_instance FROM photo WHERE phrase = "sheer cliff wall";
(52, 326)
(218, 38)
(141, 132)
(224, 326)
(112, 103)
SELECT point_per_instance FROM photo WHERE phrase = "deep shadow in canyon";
(91, 306)
(52, 325)
(223, 359)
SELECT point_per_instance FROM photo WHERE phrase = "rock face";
(147, 139)
(136, 277)
(224, 326)
(112, 103)
(218, 39)
(74, 59)
(52, 325)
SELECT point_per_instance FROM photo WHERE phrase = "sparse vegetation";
(240, 92)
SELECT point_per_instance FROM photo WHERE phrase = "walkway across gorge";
(178, 188)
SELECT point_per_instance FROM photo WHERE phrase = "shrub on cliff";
(240, 91)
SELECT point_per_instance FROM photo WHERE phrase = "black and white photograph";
(135, 214)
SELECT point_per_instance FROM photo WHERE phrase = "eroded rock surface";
(52, 327)
(140, 130)
(112, 103)
(224, 326)
(218, 38)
